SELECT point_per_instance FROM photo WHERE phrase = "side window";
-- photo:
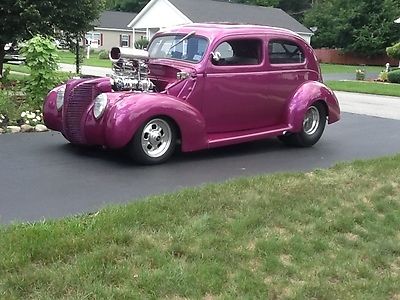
(285, 52)
(239, 52)
(124, 40)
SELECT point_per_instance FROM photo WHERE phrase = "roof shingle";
(219, 11)
(114, 20)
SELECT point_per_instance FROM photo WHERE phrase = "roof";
(220, 11)
(114, 20)
(216, 30)
(213, 29)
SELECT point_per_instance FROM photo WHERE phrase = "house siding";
(153, 15)
(113, 38)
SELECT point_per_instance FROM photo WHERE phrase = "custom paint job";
(214, 106)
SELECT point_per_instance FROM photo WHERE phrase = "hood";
(161, 69)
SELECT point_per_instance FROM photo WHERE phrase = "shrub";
(32, 117)
(383, 76)
(42, 59)
(103, 54)
(141, 44)
(394, 76)
(360, 74)
(5, 79)
(10, 107)
(394, 51)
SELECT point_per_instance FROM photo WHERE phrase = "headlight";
(60, 98)
(100, 104)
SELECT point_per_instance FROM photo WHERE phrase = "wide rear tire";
(313, 127)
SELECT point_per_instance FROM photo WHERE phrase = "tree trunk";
(2, 54)
(77, 58)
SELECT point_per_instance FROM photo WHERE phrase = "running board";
(229, 138)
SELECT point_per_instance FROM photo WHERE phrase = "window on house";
(124, 40)
(239, 52)
(94, 37)
(285, 52)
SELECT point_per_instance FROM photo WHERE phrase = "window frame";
(283, 41)
(199, 36)
(228, 39)
(122, 40)
(94, 34)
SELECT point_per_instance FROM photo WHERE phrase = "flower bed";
(16, 113)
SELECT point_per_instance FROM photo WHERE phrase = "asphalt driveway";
(42, 176)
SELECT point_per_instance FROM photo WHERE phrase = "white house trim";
(161, 14)
(112, 29)
(149, 5)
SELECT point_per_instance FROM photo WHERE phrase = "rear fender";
(131, 112)
(309, 93)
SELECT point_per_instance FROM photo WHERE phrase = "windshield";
(190, 49)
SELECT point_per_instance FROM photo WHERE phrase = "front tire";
(154, 142)
(313, 127)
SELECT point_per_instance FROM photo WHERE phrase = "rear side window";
(285, 52)
(239, 52)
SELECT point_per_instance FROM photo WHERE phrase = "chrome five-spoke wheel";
(154, 142)
(156, 138)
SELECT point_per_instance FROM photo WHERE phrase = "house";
(111, 30)
(158, 14)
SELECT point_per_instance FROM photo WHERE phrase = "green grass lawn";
(325, 234)
(68, 57)
(18, 68)
(333, 68)
(366, 87)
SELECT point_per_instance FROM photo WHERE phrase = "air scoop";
(117, 53)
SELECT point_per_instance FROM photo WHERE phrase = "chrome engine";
(130, 71)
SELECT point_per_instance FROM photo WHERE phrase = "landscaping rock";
(13, 129)
(41, 128)
(2, 130)
(27, 128)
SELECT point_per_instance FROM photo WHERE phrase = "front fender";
(306, 95)
(52, 117)
(126, 116)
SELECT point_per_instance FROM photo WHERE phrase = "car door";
(235, 97)
(287, 65)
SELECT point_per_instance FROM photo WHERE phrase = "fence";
(334, 56)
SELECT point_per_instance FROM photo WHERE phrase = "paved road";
(41, 176)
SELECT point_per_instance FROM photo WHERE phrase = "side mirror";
(216, 56)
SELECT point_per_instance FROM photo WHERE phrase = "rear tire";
(154, 142)
(313, 127)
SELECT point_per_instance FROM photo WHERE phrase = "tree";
(21, 19)
(394, 52)
(126, 5)
(74, 18)
(295, 8)
(365, 27)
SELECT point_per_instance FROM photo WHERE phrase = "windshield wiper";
(182, 39)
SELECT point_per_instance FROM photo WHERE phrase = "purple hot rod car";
(198, 86)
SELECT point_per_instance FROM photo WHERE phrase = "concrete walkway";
(370, 105)
(86, 70)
